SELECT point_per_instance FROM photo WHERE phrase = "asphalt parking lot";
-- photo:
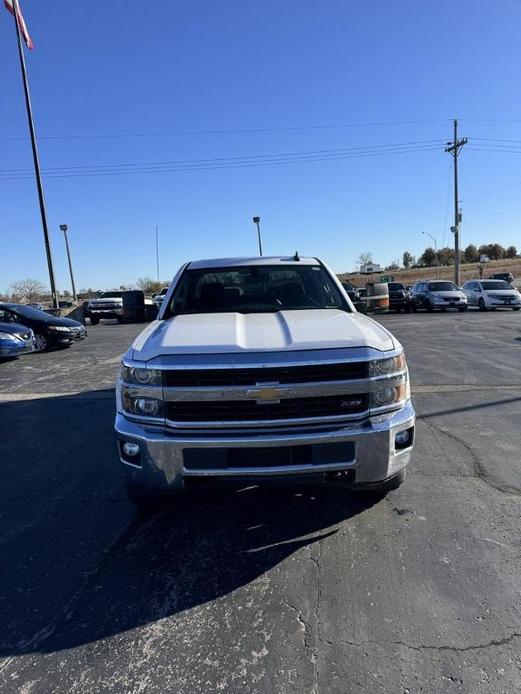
(287, 590)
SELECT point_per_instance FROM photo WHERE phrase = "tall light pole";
(65, 228)
(256, 220)
(157, 252)
(21, 30)
(435, 252)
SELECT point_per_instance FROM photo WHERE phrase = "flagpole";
(36, 158)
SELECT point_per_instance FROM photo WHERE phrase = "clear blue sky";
(134, 68)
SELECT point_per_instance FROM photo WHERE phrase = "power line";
(231, 131)
(202, 165)
(338, 150)
(495, 214)
(491, 191)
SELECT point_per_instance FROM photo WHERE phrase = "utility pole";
(256, 220)
(65, 228)
(157, 252)
(36, 159)
(454, 148)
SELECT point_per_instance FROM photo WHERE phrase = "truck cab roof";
(238, 262)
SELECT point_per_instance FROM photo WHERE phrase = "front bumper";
(10, 349)
(160, 464)
(499, 303)
(104, 313)
(458, 303)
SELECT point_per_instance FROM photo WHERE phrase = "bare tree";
(148, 285)
(29, 290)
(365, 258)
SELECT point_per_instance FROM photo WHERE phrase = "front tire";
(94, 321)
(40, 343)
(120, 319)
(481, 305)
(429, 306)
(516, 308)
(462, 308)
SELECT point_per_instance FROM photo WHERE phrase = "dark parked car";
(399, 297)
(440, 294)
(15, 339)
(65, 303)
(354, 294)
(505, 276)
(49, 331)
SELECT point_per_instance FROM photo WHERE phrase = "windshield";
(442, 287)
(255, 289)
(499, 284)
(30, 312)
(111, 295)
(396, 286)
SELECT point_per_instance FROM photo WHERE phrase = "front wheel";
(408, 309)
(516, 308)
(429, 306)
(94, 321)
(119, 319)
(40, 343)
(481, 305)
(462, 308)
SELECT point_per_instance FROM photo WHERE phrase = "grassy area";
(468, 271)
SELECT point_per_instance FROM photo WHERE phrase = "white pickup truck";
(260, 369)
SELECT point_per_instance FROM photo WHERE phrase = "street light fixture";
(256, 220)
(435, 252)
(65, 228)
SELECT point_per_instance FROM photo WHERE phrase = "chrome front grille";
(251, 411)
(344, 371)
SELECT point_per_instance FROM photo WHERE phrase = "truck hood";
(214, 333)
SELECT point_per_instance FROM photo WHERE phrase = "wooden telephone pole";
(454, 148)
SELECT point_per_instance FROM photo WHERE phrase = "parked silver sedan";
(492, 294)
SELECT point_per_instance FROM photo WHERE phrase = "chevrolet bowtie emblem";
(266, 393)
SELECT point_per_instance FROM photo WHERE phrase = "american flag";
(21, 21)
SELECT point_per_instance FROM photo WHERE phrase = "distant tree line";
(29, 291)
(471, 254)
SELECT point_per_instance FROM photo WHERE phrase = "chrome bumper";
(161, 460)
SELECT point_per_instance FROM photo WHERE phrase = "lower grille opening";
(258, 457)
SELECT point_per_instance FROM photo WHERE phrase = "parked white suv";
(492, 294)
(260, 368)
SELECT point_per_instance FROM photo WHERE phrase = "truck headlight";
(141, 376)
(141, 405)
(58, 328)
(388, 395)
(7, 336)
(384, 367)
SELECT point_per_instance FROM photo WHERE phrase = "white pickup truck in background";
(260, 369)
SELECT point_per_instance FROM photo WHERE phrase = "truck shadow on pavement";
(80, 566)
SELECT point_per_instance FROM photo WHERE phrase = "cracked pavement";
(303, 589)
